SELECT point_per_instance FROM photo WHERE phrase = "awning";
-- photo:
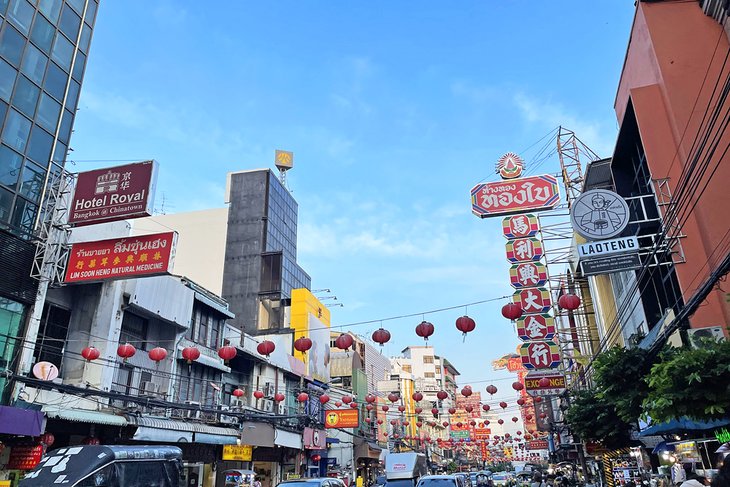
(159, 429)
(264, 434)
(683, 424)
(84, 416)
(22, 422)
(288, 439)
(366, 449)
(206, 360)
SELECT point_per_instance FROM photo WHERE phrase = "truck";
(404, 469)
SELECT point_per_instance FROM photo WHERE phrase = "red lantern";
(344, 341)
(419, 410)
(401, 408)
(469, 409)
(347, 399)
(324, 399)
(491, 390)
(266, 348)
(278, 397)
(301, 344)
(569, 301)
(452, 410)
(303, 397)
(424, 330)
(380, 421)
(90, 353)
(258, 394)
(442, 395)
(392, 397)
(520, 402)
(338, 404)
(381, 336)
(528, 417)
(435, 412)
(191, 354)
(385, 408)
(157, 354)
(353, 405)
(316, 458)
(472, 423)
(511, 311)
(514, 419)
(465, 325)
(500, 421)
(368, 420)
(486, 407)
(393, 422)
(47, 439)
(537, 399)
(369, 407)
(126, 351)
(90, 440)
(417, 396)
(227, 353)
(503, 405)
(445, 424)
(419, 424)
(238, 392)
(544, 382)
(518, 386)
(370, 398)
(466, 391)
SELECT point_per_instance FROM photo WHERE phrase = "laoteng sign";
(114, 193)
(600, 248)
(515, 196)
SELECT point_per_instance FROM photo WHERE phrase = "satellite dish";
(45, 371)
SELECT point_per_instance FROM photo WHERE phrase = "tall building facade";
(260, 267)
(44, 47)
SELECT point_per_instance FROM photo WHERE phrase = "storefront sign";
(555, 386)
(314, 439)
(537, 445)
(515, 196)
(121, 258)
(342, 418)
(608, 265)
(24, 457)
(601, 248)
(241, 453)
(540, 355)
(482, 433)
(528, 274)
(520, 226)
(599, 214)
(533, 300)
(536, 327)
(114, 193)
(524, 250)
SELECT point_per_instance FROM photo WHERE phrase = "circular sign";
(599, 214)
(45, 371)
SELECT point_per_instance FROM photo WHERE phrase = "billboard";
(311, 318)
(342, 418)
(114, 193)
(515, 196)
(121, 258)
(555, 384)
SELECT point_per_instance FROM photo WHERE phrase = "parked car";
(440, 481)
(314, 482)
(501, 478)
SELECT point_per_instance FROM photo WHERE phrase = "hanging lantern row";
(425, 330)
(569, 301)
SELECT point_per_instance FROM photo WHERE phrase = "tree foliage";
(620, 375)
(693, 382)
(593, 418)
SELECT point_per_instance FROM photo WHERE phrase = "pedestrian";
(722, 479)
(256, 482)
(694, 480)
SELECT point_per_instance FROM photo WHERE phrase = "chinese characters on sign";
(524, 250)
(116, 193)
(533, 300)
(241, 453)
(520, 226)
(24, 457)
(536, 327)
(555, 383)
(119, 258)
(540, 355)
(528, 274)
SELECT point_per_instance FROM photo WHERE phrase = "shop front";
(277, 453)
(367, 459)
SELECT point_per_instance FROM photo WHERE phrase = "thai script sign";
(115, 193)
(341, 418)
(121, 258)
(516, 196)
(241, 453)
(24, 457)
(610, 264)
(537, 445)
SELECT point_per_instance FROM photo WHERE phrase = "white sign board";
(601, 248)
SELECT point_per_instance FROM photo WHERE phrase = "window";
(55, 82)
(438, 369)
(24, 215)
(42, 34)
(59, 155)
(52, 335)
(17, 129)
(66, 124)
(407, 368)
(50, 8)
(134, 330)
(32, 181)
(6, 202)
(11, 44)
(91, 12)
(62, 52)
(39, 148)
(26, 96)
(20, 14)
(196, 386)
(85, 38)
(70, 23)
(215, 328)
(428, 359)
(34, 63)
(10, 162)
(48, 113)
(79, 66)
(429, 375)
(7, 80)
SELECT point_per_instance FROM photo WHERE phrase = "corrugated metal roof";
(85, 416)
(171, 424)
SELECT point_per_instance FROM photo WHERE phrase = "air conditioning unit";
(268, 405)
(281, 408)
(225, 418)
(149, 388)
(269, 389)
(698, 335)
(191, 413)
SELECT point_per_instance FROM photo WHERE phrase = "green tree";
(593, 418)
(693, 382)
(619, 377)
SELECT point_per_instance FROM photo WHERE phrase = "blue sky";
(394, 110)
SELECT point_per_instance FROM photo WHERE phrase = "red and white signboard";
(536, 327)
(533, 300)
(24, 457)
(527, 274)
(114, 193)
(121, 258)
(540, 355)
(524, 250)
(515, 196)
(537, 445)
(554, 385)
(520, 226)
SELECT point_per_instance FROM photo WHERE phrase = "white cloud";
(473, 93)
(551, 115)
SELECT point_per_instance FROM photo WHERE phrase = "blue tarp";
(683, 424)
